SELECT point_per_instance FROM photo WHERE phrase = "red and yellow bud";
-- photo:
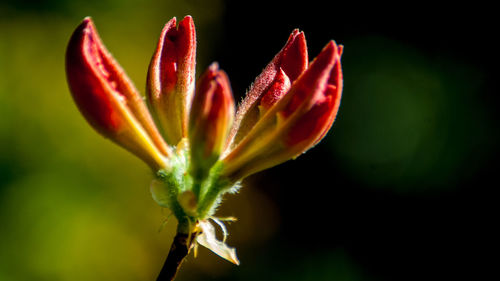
(288, 109)
(108, 99)
(293, 123)
(270, 85)
(170, 81)
(210, 119)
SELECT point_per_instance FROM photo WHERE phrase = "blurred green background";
(399, 190)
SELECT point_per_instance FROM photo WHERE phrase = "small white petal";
(207, 239)
(222, 227)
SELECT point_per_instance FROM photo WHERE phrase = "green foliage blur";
(412, 123)
(74, 206)
(415, 126)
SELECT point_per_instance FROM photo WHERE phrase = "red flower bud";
(170, 81)
(271, 85)
(295, 122)
(211, 117)
(108, 99)
(318, 118)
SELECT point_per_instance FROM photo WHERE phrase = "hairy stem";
(180, 248)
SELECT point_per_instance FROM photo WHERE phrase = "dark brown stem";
(178, 251)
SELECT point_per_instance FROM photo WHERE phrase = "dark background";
(400, 189)
(425, 223)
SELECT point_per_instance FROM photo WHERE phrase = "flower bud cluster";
(192, 136)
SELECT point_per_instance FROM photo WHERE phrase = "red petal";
(95, 80)
(313, 82)
(105, 95)
(175, 56)
(316, 122)
(168, 59)
(276, 91)
(294, 58)
(211, 116)
(186, 51)
(170, 81)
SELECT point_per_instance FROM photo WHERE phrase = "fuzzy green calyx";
(191, 199)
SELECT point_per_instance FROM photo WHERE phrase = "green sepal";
(212, 191)
(170, 187)
(172, 183)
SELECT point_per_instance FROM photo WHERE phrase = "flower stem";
(208, 203)
(180, 248)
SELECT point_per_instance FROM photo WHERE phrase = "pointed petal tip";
(188, 18)
(340, 49)
(170, 24)
(86, 23)
(293, 58)
(300, 39)
(186, 24)
(331, 44)
(337, 48)
(302, 35)
(328, 52)
(211, 72)
(296, 35)
(87, 19)
(295, 32)
(214, 66)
